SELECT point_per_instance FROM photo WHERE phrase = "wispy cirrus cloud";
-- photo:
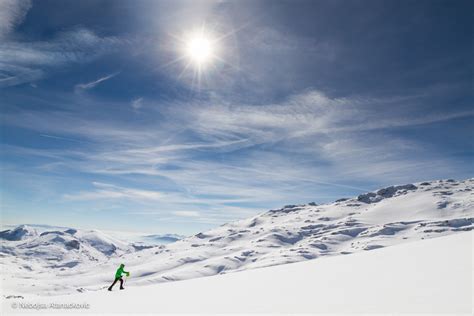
(137, 103)
(312, 113)
(90, 85)
(186, 213)
(257, 143)
(110, 191)
(61, 138)
(28, 61)
(12, 13)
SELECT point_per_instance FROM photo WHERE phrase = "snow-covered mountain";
(63, 248)
(300, 232)
(18, 233)
(59, 249)
(293, 233)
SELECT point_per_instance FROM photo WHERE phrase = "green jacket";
(120, 271)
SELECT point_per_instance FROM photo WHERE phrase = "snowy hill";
(19, 233)
(59, 249)
(378, 219)
(428, 276)
(300, 232)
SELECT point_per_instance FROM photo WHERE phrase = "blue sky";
(106, 124)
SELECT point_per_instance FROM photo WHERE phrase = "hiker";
(118, 276)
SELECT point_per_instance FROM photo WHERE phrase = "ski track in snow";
(64, 262)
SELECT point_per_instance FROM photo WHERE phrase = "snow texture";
(427, 276)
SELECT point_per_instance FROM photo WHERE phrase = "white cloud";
(109, 191)
(61, 138)
(308, 147)
(137, 103)
(12, 13)
(186, 213)
(93, 84)
(24, 61)
(11, 75)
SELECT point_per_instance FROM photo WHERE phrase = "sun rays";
(202, 52)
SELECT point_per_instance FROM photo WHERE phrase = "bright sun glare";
(199, 49)
(200, 53)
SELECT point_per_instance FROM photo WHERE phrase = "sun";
(199, 49)
(201, 52)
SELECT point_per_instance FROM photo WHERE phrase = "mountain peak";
(20, 232)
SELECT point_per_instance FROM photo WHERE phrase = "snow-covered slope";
(429, 276)
(294, 233)
(300, 232)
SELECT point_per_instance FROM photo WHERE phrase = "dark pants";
(115, 281)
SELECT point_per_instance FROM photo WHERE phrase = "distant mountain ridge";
(165, 238)
(63, 247)
(18, 233)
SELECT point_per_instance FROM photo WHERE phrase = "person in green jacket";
(118, 277)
